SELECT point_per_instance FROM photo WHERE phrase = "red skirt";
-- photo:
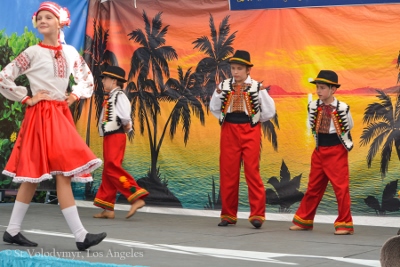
(48, 144)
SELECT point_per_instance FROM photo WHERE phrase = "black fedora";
(328, 77)
(241, 57)
(114, 72)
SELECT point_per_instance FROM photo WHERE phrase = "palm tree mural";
(382, 130)
(98, 58)
(214, 68)
(178, 91)
(286, 190)
(153, 55)
(269, 131)
(145, 96)
(390, 200)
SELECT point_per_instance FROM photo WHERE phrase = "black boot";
(18, 239)
(398, 232)
(226, 223)
(90, 240)
(256, 223)
(223, 223)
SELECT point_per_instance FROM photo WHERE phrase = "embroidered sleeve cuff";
(26, 98)
(126, 122)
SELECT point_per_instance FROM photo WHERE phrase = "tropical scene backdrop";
(176, 52)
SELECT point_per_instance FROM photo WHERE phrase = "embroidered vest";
(340, 121)
(250, 99)
(111, 123)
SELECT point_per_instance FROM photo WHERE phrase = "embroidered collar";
(246, 86)
(334, 103)
(114, 90)
(56, 48)
(246, 81)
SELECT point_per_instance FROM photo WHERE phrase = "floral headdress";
(61, 13)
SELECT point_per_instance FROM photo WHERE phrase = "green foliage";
(39, 197)
(11, 113)
(5, 150)
(12, 46)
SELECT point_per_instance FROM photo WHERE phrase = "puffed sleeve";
(123, 109)
(350, 120)
(15, 68)
(267, 105)
(83, 78)
(215, 103)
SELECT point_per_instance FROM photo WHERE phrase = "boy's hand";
(127, 127)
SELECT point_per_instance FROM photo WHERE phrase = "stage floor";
(153, 239)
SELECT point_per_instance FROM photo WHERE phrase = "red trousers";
(328, 164)
(241, 142)
(114, 178)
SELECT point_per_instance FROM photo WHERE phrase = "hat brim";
(240, 61)
(325, 81)
(114, 76)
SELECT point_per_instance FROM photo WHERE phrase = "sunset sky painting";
(287, 46)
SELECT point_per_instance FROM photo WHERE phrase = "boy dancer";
(114, 121)
(331, 123)
(241, 103)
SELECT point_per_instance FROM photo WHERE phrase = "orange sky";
(287, 46)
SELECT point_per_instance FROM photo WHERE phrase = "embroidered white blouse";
(47, 71)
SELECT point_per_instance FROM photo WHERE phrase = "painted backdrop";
(175, 53)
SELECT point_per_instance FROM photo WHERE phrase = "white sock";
(74, 222)
(17, 216)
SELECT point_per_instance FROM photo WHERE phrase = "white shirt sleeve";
(83, 77)
(123, 109)
(267, 105)
(350, 120)
(15, 68)
(215, 103)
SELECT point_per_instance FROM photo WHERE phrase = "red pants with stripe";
(114, 178)
(241, 142)
(328, 164)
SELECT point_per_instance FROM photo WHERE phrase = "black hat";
(241, 57)
(328, 77)
(114, 72)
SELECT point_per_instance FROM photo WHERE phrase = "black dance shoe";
(398, 232)
(226, 223)
(18, 239)
(223, 223)
(256, 223)
(90, 240)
